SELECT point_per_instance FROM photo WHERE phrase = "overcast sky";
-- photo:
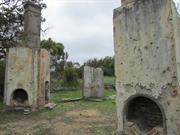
(83, 26)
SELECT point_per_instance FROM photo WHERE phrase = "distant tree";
(76, 65)
(11, 22)
(72, 64)
(70, 77)
(58, 56)
(69, 64)
(107, 64)
(93, 63)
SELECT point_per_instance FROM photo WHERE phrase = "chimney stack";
(127, 2)
(32, 24)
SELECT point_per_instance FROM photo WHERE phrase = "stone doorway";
(143, 115)
(19, 98)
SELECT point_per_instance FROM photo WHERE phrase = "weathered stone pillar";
(126, 2)
(32, 25)
(93, 83)
(147, 67)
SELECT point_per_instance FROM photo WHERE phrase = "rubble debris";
(65, 100)
(50, 105)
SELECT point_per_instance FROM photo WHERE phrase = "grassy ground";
(74, 118)
(109, 80)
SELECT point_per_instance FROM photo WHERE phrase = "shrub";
(70, 77)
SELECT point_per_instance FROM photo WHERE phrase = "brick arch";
(19, 98)
(145, 112)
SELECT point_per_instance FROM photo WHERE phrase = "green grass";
(56, 97)
(106, 107)
(109, 80)
(40, 130)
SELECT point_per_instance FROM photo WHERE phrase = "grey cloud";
(85, 28)
(90, 47)
(83, 10)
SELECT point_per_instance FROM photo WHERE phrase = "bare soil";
(77, 122)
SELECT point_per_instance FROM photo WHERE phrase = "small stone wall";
(27, 69)
(93, 83)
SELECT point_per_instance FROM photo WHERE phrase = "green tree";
(58, 56)
(107, 64)
(93, 63)
(11, 22)
(70, 77)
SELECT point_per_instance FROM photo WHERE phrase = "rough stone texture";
(127, 2)
(27, 69)
(32, 25)
(93, 83)
(147, 59)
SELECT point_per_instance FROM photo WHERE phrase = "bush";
(107, 64)
(70, 77)
(2, 77)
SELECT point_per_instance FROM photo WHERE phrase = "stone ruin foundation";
(93, 82)
(27, 68)
(147, 67)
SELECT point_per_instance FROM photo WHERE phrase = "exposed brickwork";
(145, 113)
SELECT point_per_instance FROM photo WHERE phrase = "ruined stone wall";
(44, 77)
(147, 41)
(27, 69)
(21, 73)
(93, 83)
(127, 2)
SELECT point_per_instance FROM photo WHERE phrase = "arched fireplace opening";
(144, 113)
(19, 98)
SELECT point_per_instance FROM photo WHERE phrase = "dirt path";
(77, 122)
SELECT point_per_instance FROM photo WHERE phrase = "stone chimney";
(147, 46)
(32, 25)
(127, 2)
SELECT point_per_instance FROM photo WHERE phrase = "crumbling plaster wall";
(21, 72)
(44, 76)
(147, 57)
(27, 69)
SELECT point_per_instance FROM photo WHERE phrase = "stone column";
(147, 48)
(32, 25)
(93, 83)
